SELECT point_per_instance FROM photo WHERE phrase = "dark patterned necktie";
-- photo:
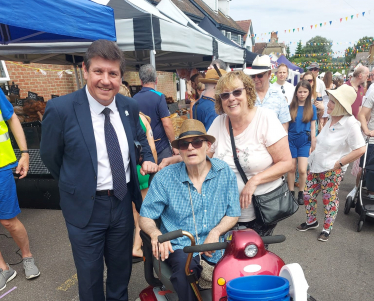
(115, 158)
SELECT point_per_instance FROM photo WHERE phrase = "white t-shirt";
(251, 147)
(321, 88)
(334, 142)
(288, 88)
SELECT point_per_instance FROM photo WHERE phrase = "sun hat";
(192, 128)
(260, 64)
(313, 65)
(211, 76)
(345, 95)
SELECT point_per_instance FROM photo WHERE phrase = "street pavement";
(340, 269)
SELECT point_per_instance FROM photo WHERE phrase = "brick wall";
(29, 79)
(166, 83)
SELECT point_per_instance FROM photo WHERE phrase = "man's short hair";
(284, 65)
(107, 50)
(220, 64)
(147, 74)
(358, 71)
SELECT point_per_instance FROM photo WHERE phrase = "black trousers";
(177, 262)
(108, 236)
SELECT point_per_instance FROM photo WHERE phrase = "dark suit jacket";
(68, 149)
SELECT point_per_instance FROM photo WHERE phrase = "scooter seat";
(165, 273)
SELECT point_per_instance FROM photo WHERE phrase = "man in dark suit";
(88, 144)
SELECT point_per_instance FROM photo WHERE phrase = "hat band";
(260, 67)
(189, 133)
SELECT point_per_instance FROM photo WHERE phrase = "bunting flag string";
(365, 42)
(321, 24)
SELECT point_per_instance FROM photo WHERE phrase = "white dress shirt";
(104, 172)
(334, 142)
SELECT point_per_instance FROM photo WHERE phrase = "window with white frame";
(228, 35)
(4, 75)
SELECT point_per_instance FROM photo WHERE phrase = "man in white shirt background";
(314, 68)
(282, 84)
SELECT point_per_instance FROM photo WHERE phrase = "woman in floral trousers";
(339, 143)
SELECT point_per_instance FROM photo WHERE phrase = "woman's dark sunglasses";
(309, 80)
(236, 93)
(183, 145)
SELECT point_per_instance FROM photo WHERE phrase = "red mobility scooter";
(245, 255)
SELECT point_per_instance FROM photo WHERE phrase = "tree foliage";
(288, 52)
(318, 44)
(299, 48)
(362, 45)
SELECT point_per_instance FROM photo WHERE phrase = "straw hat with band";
(211, 76)
(192, 128)
(345, 95)
(260, 64)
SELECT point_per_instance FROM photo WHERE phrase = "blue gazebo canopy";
(43, 21)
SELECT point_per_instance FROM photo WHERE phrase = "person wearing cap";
(267, 95)
(203, 109)
(314, 68)
(198, 195)
(339, 143)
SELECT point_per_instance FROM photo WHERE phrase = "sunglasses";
(183, 145)
(314, 69)
(283, 90)
(309, 80)
(235, 93)
(261, 75)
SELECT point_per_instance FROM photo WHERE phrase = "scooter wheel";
(359, 226)
(348, 204)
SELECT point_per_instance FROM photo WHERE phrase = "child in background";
(301, 134)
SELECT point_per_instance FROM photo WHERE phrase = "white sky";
(283, 15)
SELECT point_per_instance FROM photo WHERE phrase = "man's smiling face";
(103, 79)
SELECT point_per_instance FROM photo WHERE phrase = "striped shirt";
(168, 198)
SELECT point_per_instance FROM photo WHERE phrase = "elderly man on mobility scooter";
(199, 195)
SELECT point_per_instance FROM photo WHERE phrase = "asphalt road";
(340, 269)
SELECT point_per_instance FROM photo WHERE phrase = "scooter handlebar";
(273, 239)
(205, 247)
(170, 236)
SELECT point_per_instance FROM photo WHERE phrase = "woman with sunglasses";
(301, 135)
(316, 99)
(260, 140)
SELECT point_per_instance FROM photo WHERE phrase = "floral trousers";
(329, 183)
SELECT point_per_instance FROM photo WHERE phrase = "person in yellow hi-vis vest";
(9, 208)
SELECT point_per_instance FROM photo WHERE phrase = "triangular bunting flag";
(330, 22)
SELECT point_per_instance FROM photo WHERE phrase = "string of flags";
(315, 26)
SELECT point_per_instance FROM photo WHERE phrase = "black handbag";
(272, 206)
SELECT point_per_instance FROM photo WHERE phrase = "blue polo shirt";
(153, 104)
(6, 112)
(203, 110)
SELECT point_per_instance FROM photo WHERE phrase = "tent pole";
(76, 77)
(81, 76)
(152, 60)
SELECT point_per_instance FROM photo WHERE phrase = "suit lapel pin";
(126, 113)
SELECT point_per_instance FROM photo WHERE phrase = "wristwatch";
(340, 162)
(24, 151)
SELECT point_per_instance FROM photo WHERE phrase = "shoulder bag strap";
(236, 160)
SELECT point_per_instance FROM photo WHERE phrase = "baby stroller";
(363, 204)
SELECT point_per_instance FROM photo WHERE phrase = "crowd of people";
(101, 145)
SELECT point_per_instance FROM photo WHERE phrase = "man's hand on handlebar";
(213, 236)
(160, 249)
